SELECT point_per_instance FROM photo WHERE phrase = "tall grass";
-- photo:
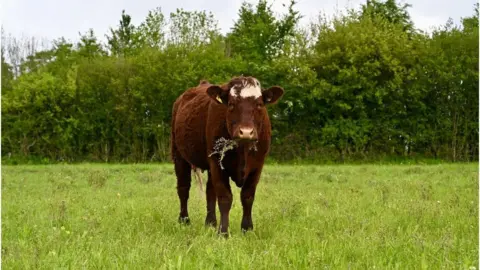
(305, 217)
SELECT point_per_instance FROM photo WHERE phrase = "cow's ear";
(272, 94)
(218, 94)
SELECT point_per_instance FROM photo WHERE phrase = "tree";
(470, 24)
(151, 31)
(124, 40)
(365, 66)
(391, 11)
(17, 50)
(88, 46)
(258, 35)
(7, 73)
(192, 28)
(452, 72)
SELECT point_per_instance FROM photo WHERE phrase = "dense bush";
(365, 85)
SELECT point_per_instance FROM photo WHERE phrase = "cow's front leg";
(224, 197)
(247, 196)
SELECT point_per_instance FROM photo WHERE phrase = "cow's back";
(188, 126)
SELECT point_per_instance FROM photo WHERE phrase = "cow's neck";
(243, 154)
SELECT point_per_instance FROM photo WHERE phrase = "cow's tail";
(198, 175)
(172, 131)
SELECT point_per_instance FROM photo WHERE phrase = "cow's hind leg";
(211, 219)
(183, 172)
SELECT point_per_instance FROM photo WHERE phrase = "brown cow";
(233, 111)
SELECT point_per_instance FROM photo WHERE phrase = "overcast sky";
(52, 19)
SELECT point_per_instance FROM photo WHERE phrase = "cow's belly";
(190, 133)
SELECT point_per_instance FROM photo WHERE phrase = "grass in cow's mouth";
(221, 146)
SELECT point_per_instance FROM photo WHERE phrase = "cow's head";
(245, 101)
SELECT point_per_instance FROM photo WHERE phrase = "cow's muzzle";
(245, 134)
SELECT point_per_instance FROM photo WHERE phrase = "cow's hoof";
(223, 234)
(239, 183)
(246, 226)
(184, 220)
(245, 230)
(210, 222)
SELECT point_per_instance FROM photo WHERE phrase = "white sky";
(52, 19)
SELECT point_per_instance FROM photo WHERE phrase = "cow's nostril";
(251, 132)
(241, 132)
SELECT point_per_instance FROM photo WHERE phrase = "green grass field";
(305, 217)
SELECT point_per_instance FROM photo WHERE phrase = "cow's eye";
(230, 107)
(259, 105)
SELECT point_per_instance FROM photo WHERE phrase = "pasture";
(305, 217)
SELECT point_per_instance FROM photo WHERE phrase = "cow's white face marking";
(247, 90)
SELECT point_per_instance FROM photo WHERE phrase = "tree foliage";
(124, 40)
(391, 11)
(258, 35)
(365, 85)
